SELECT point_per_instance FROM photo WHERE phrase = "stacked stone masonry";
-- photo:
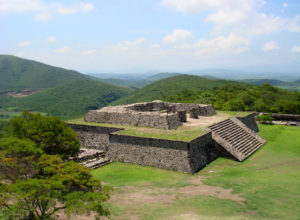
(181, 156)
(157, 114)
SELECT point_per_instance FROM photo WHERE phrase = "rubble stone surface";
(157, 114)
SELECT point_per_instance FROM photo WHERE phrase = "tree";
(50, 134)
(36, 185)
(56, 186)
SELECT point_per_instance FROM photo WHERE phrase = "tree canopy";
(35, 181)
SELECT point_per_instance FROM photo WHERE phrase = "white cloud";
(63, 49)
(295, 49)
(271, 45)
(88, 52)
(198, 6)
(20, 54)
(231, 43)
(293, 25)
(43, 10)
(240, 16)
(177, 35)
(24, 43)
(51, 39)
(285, 5)
(80, 7)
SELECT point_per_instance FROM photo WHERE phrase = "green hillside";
(278, 83)
(171, 86)
(71, 99)
(17, 74)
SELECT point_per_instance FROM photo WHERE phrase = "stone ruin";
(156, 114)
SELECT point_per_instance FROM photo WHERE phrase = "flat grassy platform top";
(187, 132)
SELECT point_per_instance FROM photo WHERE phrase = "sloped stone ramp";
(236, 138)
(92, 158)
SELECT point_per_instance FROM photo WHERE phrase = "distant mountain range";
(67, 93)
(278, 83)
(132, 80)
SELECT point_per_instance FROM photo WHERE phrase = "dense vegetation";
(37, 177)
(235, 97)
(17, 74)
(223, 94)
(171, 86)
(268, 182)
(71, 99)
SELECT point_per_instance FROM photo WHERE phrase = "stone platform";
(156, 114)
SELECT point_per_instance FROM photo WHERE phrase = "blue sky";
(160, 35)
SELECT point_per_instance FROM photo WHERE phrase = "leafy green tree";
(56, 186)
(50, 134)
(35, 185)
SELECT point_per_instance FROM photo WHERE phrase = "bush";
(265, 118)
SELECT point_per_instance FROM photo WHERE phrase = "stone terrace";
(156, 114)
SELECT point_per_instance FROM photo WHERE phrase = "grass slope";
(171, 86)
(268, 181)
(18, 74)
(71, 99)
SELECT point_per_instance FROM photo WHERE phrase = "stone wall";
(160, 153)
(158, 114)
(202, 151)
(286, 117)
(94, 137)
(143, 119)
(249, 121)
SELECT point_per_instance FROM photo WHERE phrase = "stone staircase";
(92, 158)
(236, 138)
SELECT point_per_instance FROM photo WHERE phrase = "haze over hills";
(132, 80)
(17, 74)
(278, 83)
(67, 93)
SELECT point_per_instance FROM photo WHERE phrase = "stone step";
(248, 153)
(222, 124)
(234, 135)
(247, 145)
(229, 130)
(236, 138)
(95, 163)
(242, 141)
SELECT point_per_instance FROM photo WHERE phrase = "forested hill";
(17, 74)
(171, 86)
(71, 99)
(223, 94)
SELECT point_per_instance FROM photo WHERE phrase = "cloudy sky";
(163, 35)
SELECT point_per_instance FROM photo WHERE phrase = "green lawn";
(269, 181)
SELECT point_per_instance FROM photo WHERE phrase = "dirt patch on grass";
(201, 189)
(205, 121)
(150, 194)
(142, 196)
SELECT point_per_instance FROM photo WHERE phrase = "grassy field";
(182, 133)
(265, 186)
